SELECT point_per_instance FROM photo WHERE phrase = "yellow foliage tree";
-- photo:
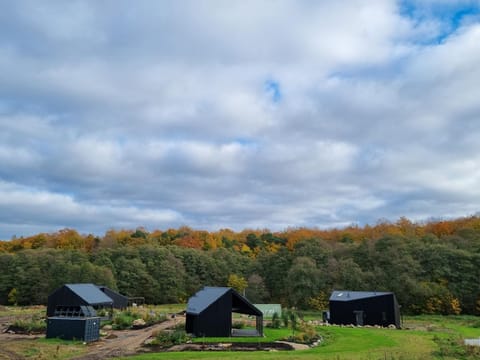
(237, 282)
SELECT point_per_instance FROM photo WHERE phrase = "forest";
(433, 267)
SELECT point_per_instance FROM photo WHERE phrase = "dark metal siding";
(84, 329)
(209, 312)
(379, 310)
(65, 297)
(119, 301)
(77, 295)
(214, 321)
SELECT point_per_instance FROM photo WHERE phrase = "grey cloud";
(157, 115)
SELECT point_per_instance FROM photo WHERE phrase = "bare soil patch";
(271, 346)
(125, 342)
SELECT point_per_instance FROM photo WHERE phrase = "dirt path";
(295, 346)
(10, 355)
(126, 342)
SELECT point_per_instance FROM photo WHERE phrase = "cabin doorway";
(359, 317)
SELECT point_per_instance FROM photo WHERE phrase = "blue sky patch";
(451, 16)
(272, 88)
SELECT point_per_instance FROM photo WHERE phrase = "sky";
(237, 114)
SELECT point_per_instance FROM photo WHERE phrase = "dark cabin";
(209, 313)
(119, 301)
(77, 300)
(364, 308)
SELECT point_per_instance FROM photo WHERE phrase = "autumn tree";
(237, 282)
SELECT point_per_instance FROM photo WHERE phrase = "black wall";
(214, 321)
(379, 310)
(63, 296)
(119, 301)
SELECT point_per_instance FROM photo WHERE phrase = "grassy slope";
(356, 343)
(342, 343)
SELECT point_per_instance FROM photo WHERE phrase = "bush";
(33, 325)
(276, 322)
(285, 318)
(124, 320)
(167, 339)
(476, 324)
(307, 334)
(238, 325)
(453, 347)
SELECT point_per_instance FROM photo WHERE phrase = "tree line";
(433, 267)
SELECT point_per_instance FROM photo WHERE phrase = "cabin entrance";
(359, 314)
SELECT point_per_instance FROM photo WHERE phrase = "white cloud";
(158, 114)
(30, 209)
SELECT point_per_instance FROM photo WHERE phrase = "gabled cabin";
(77, 300)
(364, 308)
(209, 313)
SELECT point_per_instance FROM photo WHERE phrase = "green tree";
(303, 282)
(12, 296)
(274, 267)
(256, 291)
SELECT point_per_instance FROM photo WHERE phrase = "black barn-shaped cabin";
(75, 300)
(364, 308)
(209, 312)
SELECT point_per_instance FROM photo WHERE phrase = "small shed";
(364, 308)
(77, 300)
(119, 301)
(73, 328)
(209, 312)
(268, 310)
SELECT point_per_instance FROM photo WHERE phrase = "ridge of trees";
(249, 241)
(432, 267)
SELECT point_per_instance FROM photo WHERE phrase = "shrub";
(238, 325)
(307, 334)
(476, 324)
(285, 318)
(453, 347)
(124, 320)
(34, 325)
(166, 339)
(276, 322)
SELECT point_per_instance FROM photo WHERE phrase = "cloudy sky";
(238, 114)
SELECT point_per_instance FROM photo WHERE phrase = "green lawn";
(342, 343)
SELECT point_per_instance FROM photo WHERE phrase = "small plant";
(238, 325)
(276, 322)
(103, 312)
(476, 324)
(286, 318)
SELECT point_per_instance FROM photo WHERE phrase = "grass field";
(418, 341)
(340, 343)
